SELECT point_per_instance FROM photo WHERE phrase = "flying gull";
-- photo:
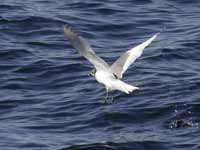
(109, 76)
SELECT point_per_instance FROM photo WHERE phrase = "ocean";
(48, 101)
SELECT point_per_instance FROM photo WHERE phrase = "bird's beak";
(90, 74)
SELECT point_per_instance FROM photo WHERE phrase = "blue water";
(48, 102)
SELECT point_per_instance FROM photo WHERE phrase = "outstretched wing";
(126, 59)
(84, 48)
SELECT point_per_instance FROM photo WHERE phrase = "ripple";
(8, 54)
(4, 7)
(118, 146)
(47, 101)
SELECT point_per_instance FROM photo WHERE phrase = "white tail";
(124, 87)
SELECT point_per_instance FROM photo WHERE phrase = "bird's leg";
(106, 97)
(112, 99)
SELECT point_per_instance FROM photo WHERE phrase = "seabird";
(109, 76)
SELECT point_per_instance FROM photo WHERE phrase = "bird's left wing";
(85, 49)
(126, 59)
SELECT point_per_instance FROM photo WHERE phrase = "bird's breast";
(103, 77)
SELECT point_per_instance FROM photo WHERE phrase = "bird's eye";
(93, 71)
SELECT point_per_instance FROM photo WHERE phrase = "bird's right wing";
(126, 59)
(85, 49)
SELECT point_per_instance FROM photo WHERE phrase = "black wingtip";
(68, 31)
(67, 28)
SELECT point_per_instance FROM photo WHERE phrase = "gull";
(109, 76)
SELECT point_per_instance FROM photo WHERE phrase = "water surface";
(47, 101)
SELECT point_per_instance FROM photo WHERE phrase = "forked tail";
(124, 87)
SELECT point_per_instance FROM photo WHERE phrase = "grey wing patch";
(84, 48)
(122, 64)
(117, 67)
(97, 61)
(77, 41)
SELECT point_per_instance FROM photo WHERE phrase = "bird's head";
(93, 72)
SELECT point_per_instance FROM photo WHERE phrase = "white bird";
(109, 76)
